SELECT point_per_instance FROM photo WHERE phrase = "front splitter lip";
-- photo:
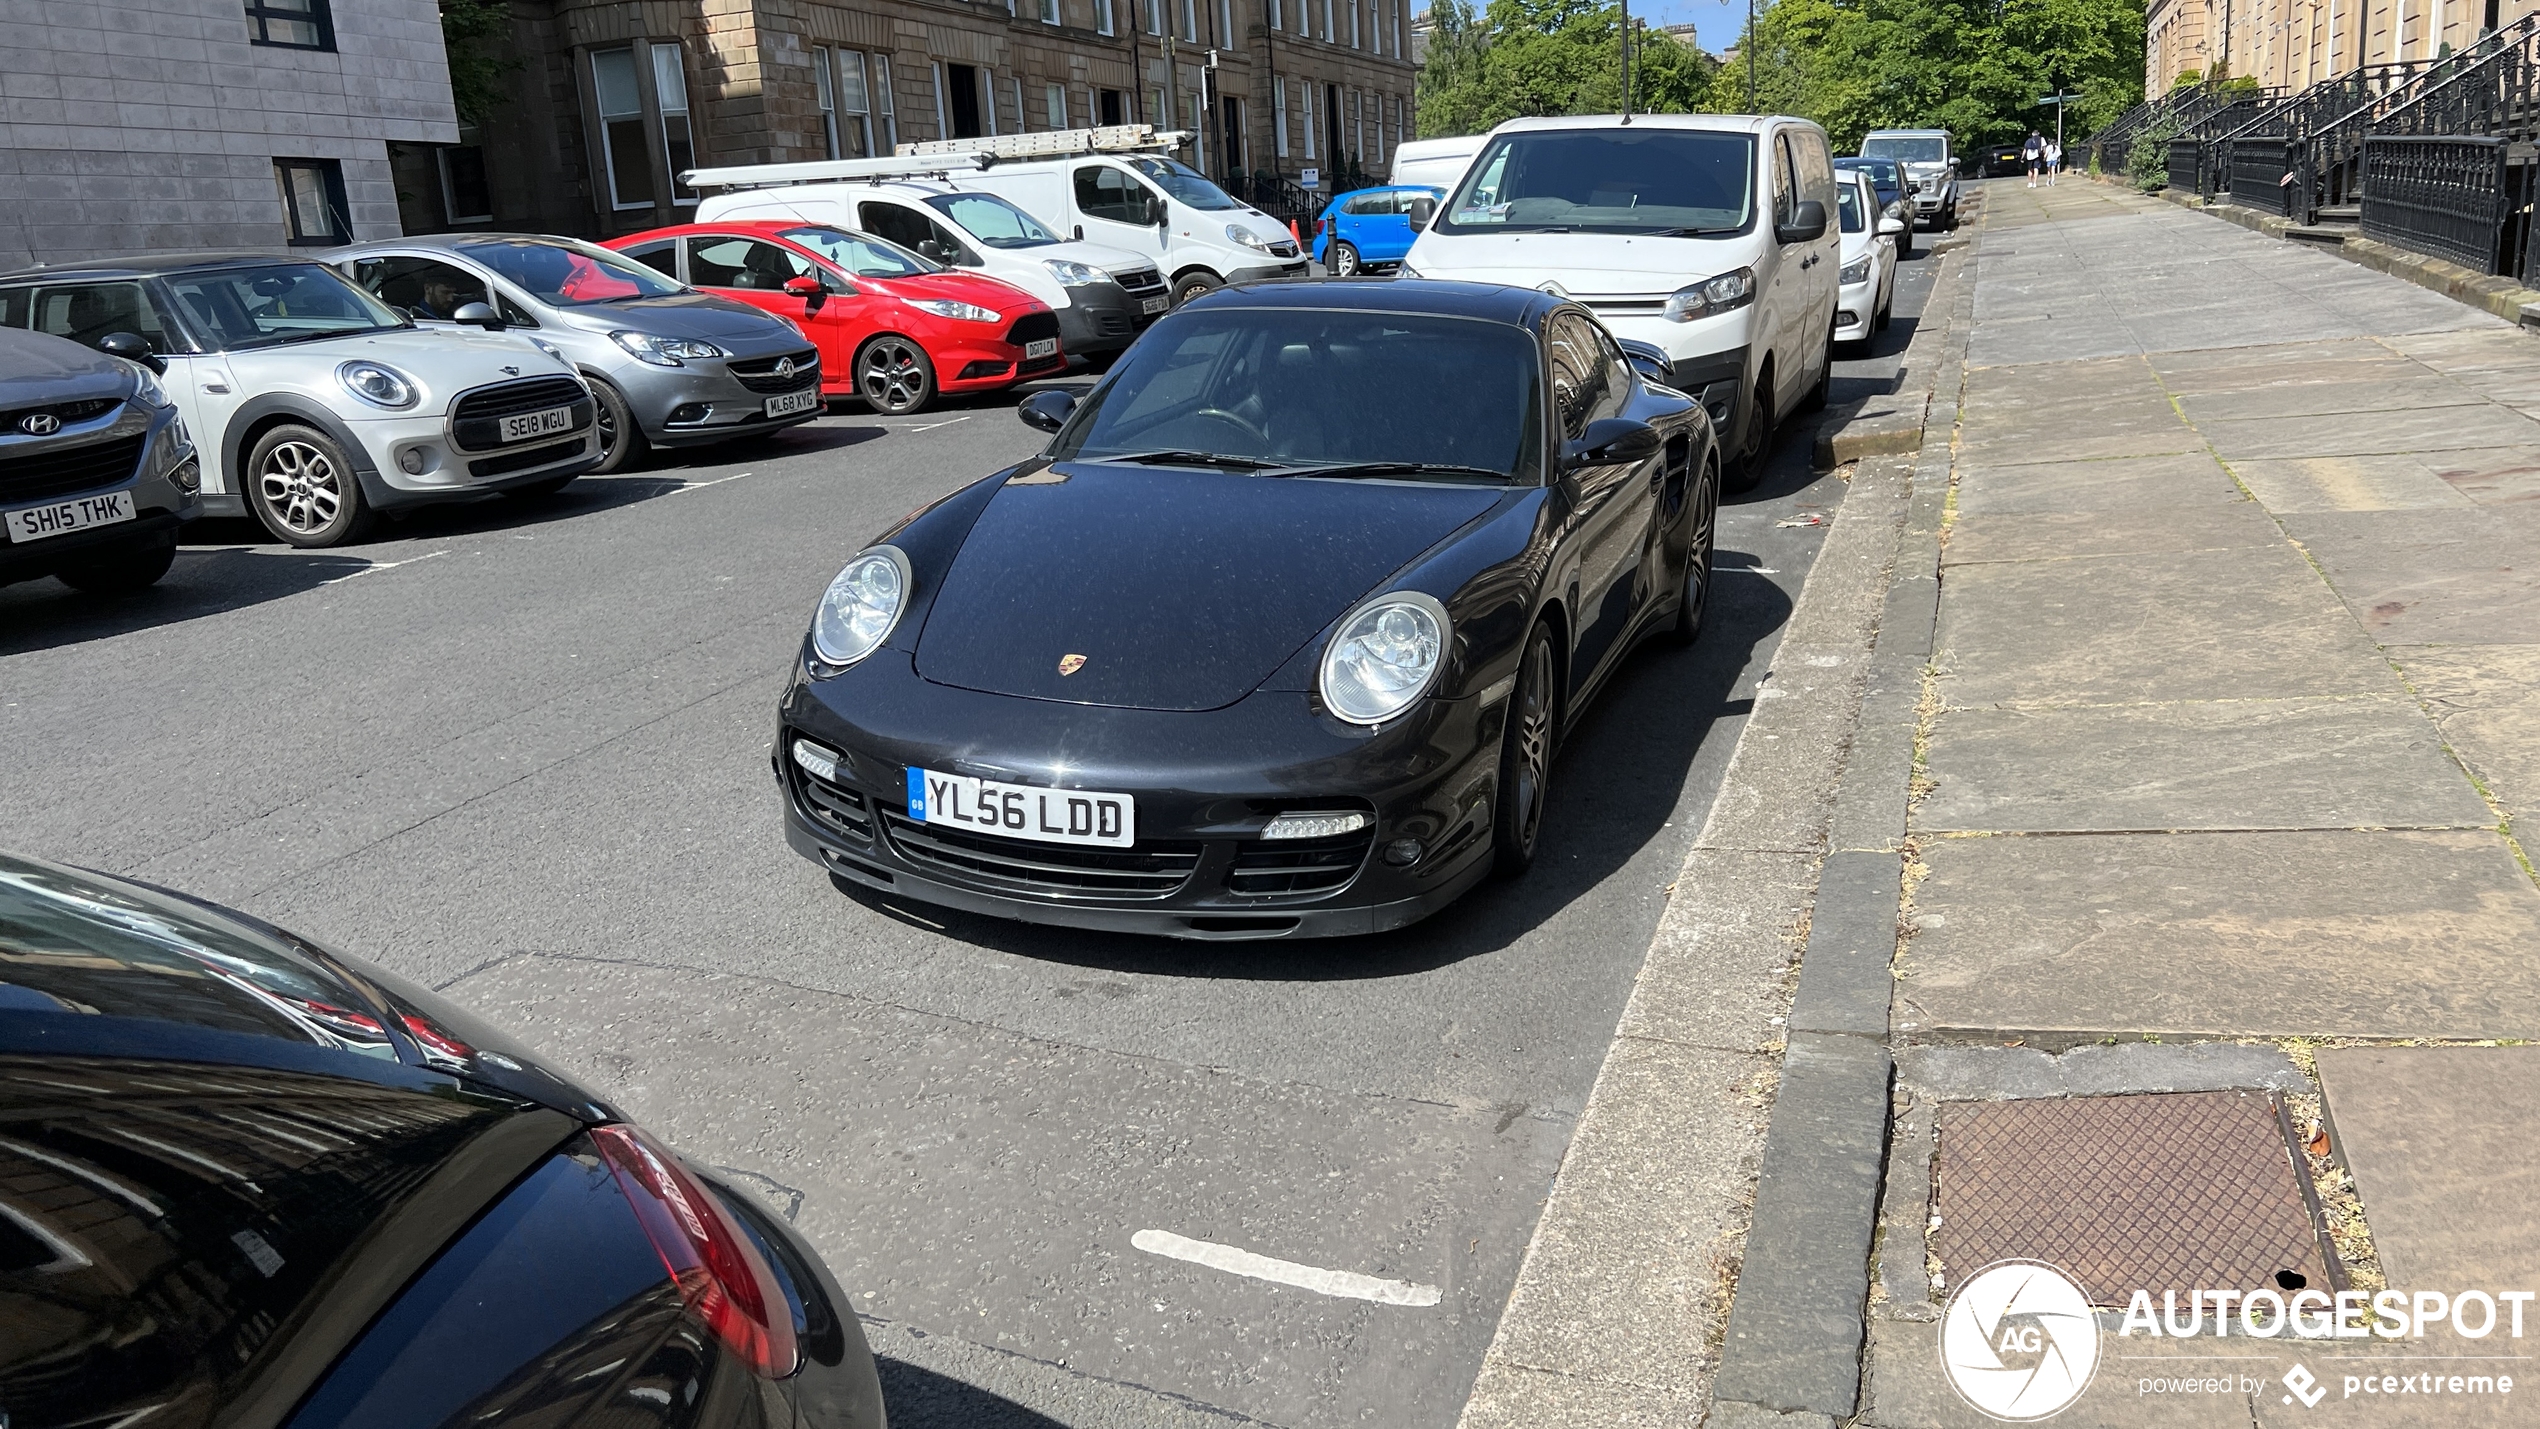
(1200, 924)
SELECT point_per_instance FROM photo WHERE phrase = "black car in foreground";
(1278, 636)
(246, 1181)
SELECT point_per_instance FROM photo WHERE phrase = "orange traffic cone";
(1296, 233)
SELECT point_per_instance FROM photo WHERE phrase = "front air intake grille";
(840, 810)
(66, 413)
(1033, 327)
(1051, 363)
(786, 372)
(505, 398)
(61, 471)
(1144, 871)
(1140, 282)
(1117, 324)
(1274, 866)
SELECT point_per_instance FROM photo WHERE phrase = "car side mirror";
(1807, 224)
(131, 347)
(1159, 213)
(1891, 225)
(810, 290)
(478, 315)
(1047, 411)
(1080, 233)
(1611, 441)
(1650, 361)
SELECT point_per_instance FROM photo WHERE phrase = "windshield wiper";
(1172, 457)
(1394, 468)
(1692, 232)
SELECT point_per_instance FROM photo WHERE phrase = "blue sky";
(1720, 22)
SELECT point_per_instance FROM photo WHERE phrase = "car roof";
(1491, 302)
(1704, 123)
(146, 265)
(443, 240)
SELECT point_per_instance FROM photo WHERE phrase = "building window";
(1279, 117)
(1049, 12)
(1056, 103)
(1225, 22)
(465, 196)
(1353, 24)
(1102, 17)
(291, 24)
(621, 104)
(1199, 131)
(678, 141)
(1158, 112)
(1190, 21)
(845, 105)
(1275, 23)
(885, 110)
(1114, 107)
(1233, 109)
(1305, 112)
(1155, 15)
(313, 207)
(1327, 21)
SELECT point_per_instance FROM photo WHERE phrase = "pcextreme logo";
(2018, 1341)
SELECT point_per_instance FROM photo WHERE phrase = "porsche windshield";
(1285, 391)
(1676, 181)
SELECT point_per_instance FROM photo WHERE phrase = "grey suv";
(96, 470)
(668, 364)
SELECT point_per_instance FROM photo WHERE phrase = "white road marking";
(930, 426)
(1348, 1285)
(382, 566)
(701, 485)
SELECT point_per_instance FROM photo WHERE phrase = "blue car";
(1371, 228)
(1888, 177)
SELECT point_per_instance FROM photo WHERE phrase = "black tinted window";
(1309, 388)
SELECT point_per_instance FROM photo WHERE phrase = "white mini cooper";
(315, 405)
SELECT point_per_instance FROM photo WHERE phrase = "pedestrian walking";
(2054, 161)
(2034, 151)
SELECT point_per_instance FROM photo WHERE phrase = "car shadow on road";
(922, 1399)
(1615, 789)
(43, 614)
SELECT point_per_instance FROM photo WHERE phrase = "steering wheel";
(1238, 423)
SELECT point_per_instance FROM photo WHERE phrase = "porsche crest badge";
(1070, 664)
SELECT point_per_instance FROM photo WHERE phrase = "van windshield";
(1907, 148)
(1681, 182)
(1186, 184)
(992, 220)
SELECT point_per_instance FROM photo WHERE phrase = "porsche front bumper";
(1206, 784)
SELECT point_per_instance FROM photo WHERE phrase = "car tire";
(893, 375)
(1695, 598)
(1525, 758)
(131, 569)
(1192, 285)
(302, 485)
(1886, 314)
(1815, 401)
(1905, 241)
(1345, 262)
(1748, 467)
(613, 424)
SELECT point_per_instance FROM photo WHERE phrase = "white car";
(1709, 237)
(315, 405)
(1868, 275)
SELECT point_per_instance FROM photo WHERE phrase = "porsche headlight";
(1711, 297)
(1247, 238)
(947, 308)
(376, 383)
(1073, 275)
(860, 607)
(1384, 656)
(1856, 271)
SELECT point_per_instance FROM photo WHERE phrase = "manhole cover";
(2176, 1192)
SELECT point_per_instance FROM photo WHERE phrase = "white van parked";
(1435, 163)
(1708, 236)
(1120, 186)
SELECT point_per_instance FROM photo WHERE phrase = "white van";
(1709, 237)
(1435, 163)
(1104, 296)
(1120, 186)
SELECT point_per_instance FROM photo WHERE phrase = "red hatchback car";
(892, 327)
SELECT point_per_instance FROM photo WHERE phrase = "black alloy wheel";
(614, 427)
(1344, 262)
(132, 569)
(1696, 600)
(1525, 760)
(1747, 468)
(893, 375)
(1815, 401)
(302, 486)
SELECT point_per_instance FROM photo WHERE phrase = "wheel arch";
(259, 415)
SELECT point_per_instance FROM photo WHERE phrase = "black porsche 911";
(1276, 638)
(249, 1182)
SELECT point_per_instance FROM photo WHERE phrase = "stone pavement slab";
(2329, 934)
(2349, 483)
(2136, 530)
(2486, 701)
(2197, 625)
(2037, 480)
(2440, 1143)
(2363, 433)
(2370, 761)
(2432, 577)
(2491, 477)
(2388, 392)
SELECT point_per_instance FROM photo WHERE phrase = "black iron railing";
(1284, 199)
(2331, 164)
(2262, 172)
(2442, 195)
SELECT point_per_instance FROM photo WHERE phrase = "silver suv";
(669, 365)
(96, 472)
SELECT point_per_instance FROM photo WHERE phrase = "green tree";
(1530, 57)
(475, 35)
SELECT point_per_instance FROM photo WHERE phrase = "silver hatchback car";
(669, 365)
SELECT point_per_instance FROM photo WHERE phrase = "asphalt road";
(518, 750)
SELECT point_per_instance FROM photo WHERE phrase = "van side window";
(1816, 169)
(1106, 192)
(1784, 204)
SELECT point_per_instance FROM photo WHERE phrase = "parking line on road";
(930, 426)
(701, 485)
(1348, 1285)
(382, 566)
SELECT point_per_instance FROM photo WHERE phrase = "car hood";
(38, 370)
(986, 292)
(698, 315)
(1584, 264)
(1182, 589)
(446, 360)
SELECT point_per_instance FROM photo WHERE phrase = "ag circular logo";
(2018, 1342)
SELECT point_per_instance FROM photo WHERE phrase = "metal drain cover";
(2181, 1191)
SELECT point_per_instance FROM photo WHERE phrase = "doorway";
(963, 82)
